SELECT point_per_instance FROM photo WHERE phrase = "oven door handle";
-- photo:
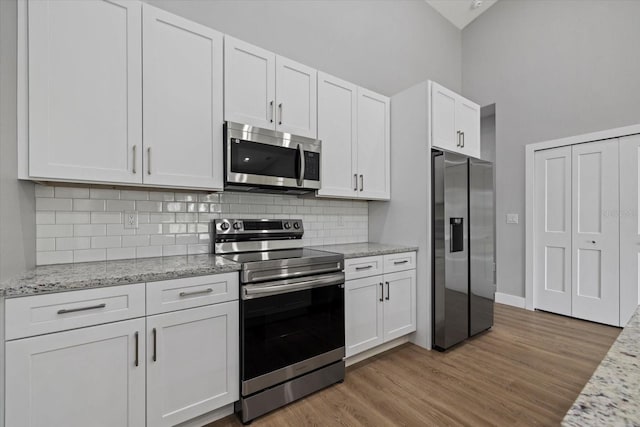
(291, 285)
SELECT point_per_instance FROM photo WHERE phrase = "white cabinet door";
(374, 148)
(192, 362)
(595, 243)
(363, 314)
(552, 230)
(182, 102)
(86, 377)
(296, 96)
(468, 123)
(399, 304)
(629, 226)
(337, 129)
(85, 90)
(444, 131)
(249, 84)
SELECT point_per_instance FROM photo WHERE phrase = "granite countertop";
(67, 277)
(357, 250)
(612, 395)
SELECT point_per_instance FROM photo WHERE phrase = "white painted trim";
(23, 90)
(511, 300)
(530, 150)
(376, 350)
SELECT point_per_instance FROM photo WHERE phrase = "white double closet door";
(586, 230)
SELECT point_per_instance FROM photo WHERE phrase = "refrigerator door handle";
(450, 237)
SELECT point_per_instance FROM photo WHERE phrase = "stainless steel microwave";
(265, 160)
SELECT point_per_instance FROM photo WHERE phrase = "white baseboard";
(209, 417)
(376, 350)
(510, 300)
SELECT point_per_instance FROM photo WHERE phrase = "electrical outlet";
(512, 218)
(131, 219)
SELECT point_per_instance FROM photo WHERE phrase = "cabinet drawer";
(171, 295)
(399, 262)
(43, 314)
(356, 268)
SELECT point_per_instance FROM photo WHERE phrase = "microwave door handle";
(301, 169)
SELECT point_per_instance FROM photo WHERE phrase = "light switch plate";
(512, 218)
(131, 219)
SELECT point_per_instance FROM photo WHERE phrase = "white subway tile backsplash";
(106, 218)
(73, 217)
(89, 255)
(89, 205)
(120, 205)
(52, 204)
(172, 223)
(70, 243)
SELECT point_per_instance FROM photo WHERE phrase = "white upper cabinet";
(337, 129)
(85, 91)
(455, 122)
(374, 146)
(353, 125)
(269, 91)
(249, 84)
(296, 95)
(182, 104)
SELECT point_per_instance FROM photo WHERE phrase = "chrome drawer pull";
(188, 294)
(73, 310)
(364, 268)
(400, 262)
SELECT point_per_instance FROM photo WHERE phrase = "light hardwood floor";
(527, 370)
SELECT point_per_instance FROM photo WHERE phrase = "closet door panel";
(629, 226)
(595, 240)
(552, 230)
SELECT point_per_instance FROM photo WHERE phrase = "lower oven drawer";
(286, 335)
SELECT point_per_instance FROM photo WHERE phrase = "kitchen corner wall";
(80, 224)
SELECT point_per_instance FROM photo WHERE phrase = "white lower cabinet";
(379, 309)
(192, 363)
(85, 377)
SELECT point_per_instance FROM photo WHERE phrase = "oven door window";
(283, 329)
(255, 158)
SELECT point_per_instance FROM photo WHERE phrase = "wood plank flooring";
(527, 370)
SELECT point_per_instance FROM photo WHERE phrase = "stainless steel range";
(291, 311)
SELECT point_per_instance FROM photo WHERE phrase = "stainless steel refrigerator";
(463, 247)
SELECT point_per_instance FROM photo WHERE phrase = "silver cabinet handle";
(388, 291)
(189, 294)
(400, 262)
(155, 344)
(280, 108)
(361, 182)
(137, 361)
(462, 134)
(366, 267)
(381, 292)
(273, 111)
(302, 162)
(73, 310)
(355, 182)
(134, 159)
(450, 237)
(458, 136)
(149, 161)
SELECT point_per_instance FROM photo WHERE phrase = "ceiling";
(460, 12)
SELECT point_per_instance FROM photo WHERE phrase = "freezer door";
(481, 246)
(451, 249)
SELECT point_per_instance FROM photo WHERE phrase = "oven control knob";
(287, 225)
(224, 226)
(296, 225)
(237, 225)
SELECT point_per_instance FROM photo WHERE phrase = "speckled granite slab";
(612, 395)
(67, 277)
(357, 250)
